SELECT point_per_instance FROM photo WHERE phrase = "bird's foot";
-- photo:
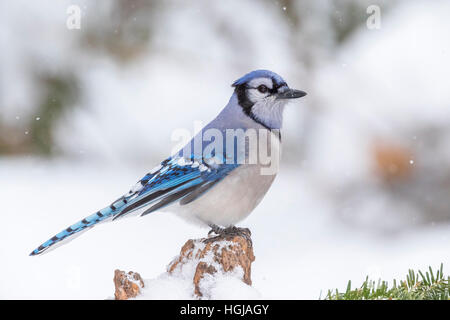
(230, 231)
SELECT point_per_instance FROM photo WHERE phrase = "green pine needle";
(429, 286)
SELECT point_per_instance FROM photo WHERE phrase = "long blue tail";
(83, 225)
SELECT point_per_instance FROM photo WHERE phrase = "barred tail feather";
(76, 229)
(173, 180)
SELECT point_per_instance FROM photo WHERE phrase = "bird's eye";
(263, 89)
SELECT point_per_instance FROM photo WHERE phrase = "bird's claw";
(230, 231)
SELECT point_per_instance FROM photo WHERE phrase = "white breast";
(235, 197)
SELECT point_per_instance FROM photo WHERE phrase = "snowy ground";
(301, 249)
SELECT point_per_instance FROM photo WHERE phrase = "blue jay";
(215, 187)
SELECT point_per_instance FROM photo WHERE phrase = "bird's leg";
(232, 230)
(216, 229)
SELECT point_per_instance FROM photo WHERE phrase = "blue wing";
(175, 179)
(178, 179)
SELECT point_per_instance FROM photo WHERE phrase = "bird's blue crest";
(259, 74)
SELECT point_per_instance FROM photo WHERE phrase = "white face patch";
(269, 111)
(253, 94)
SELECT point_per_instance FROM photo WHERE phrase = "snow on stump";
(128, 285)
(218, 254)
(215, 267)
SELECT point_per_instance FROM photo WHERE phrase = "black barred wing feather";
(178, 179)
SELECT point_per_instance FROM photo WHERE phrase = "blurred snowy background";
(364, 187)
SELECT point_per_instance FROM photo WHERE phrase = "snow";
(179, 284)
(301, 249)
(228, 287)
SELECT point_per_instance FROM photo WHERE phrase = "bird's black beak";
(290, 94)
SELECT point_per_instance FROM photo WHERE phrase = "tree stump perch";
(128, 285)
(217, 254)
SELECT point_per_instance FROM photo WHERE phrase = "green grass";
(417, 286)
